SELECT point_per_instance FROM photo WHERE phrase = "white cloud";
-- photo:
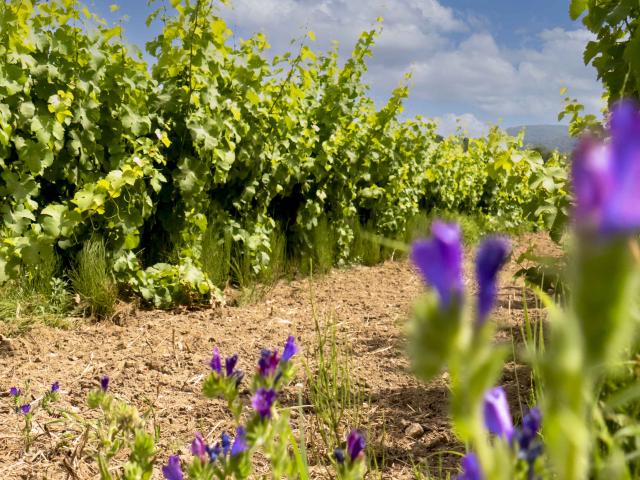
(409, 24)
(457, 64)
(502, 82)
(467, 123)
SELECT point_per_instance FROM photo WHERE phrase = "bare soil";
(160, 358)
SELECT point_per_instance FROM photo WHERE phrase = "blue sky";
(474, 62)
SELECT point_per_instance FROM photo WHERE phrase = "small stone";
(6, 345)
(414, 430)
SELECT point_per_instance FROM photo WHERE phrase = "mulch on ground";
(160, 358)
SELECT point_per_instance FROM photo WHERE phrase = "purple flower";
(25, 409)
(240, 443)
(490, 258)
(230, 364)
(55, 386)
(592, 182)
(355, 444)
(215, 363)
(14, 391)
(214, 452)
(470, 468)
(263, 400)
(527, 434)
(497, 416)
(532, 421)
(439, 260)
(172, 470)
(338, 454)
(226, 443)
(104, 383)
(606, 177)
(290, 349)
(199, 447)
(268, 362)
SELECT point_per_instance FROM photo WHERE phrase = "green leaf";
(577, 8)
(632, 56)
(27, 109)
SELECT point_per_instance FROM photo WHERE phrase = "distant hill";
(551, 137)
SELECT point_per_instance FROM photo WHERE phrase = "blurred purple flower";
(338, 454)
(240, 443)
(172, 470)
(497, 416)
(14, 391)
(263, 400)
(490, 258)
(592, 182)
(55, 386)
(230, 364)
(104, 383)
(470, 468)
(606, 176)
(532, 422)
(290, 349)
(226, 443)
(199, 447)
(439, 260)
(25, 409)
(214, 452)
(216, 363)
(527, 435)
(268, 362)
(355, 444)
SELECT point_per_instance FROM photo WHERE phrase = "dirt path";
(160, 358)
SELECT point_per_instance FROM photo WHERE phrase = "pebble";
(414, 430)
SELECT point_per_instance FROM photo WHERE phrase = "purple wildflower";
(338, 454)
(199, 447)
(263, 400)
(606, 177)
(104, 383)
(173, 471)
(268, 362)
(497, 416)
(529, 448)
(226, 443)
(214, 452)
(290, 349)
(230, 364)
(215, 363)
(355, 444)
(490, 258)
(25, 409)
(14, 391)
(439, 260)
(592, 182)
(55, 386)
(470, 468)
(532, 422)
(240, 443)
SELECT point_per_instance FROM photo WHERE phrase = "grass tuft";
(38, 296)
(337, 397)
(216, 256)
(92, 280)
